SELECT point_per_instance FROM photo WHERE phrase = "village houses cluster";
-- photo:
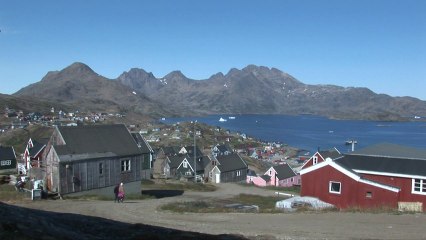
(19, 119)
(95, 158)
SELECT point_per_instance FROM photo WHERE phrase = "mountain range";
(251, 90)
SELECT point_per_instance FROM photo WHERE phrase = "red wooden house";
(34, 152)
(384, 175)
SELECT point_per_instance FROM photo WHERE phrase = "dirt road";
(330, 225)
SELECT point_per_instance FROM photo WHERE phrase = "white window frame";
(101, 168)
(185, 164)
(421, 186)
(125, 165)
(238, 173)
(330, 188)
(314, 160)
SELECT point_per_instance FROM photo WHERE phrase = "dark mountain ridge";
(251, 90)
(80, 86)
(263, 90)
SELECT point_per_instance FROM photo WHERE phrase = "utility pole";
(195, 156)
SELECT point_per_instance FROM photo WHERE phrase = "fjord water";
(310, 132)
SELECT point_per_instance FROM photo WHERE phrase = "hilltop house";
(381, 175)
(223, 149)
(94, 157)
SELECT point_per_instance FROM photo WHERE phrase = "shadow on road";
(75, 226)
(162, 193)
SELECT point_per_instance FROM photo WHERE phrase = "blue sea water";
(310, 132)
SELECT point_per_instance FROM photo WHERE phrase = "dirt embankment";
(307, 225)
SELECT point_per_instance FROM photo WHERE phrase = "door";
(217, 178)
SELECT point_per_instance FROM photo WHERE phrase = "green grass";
(176, 185)
(265, 204)
(9, 193)
(295, 190)
(106, 198)
(292, 190)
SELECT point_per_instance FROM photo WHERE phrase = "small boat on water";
(222, 119)
(231, 117)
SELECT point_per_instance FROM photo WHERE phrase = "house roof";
(331, 153)
(251, 173)
(37, 147)
(387, 159)
(175, 161)
(140, 140)
(203, 162)
(224, 148)
(284, 171)
(230, 162)
(391, 150)
(190, 151)
(7, 153)
(384, 165)
(267, 178)
(170, 151)
(97, 140)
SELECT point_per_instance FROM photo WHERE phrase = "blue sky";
(379, 44)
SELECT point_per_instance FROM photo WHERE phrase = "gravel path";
(329, 225)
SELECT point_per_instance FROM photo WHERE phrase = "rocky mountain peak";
(254, 68)
(137, 73)
(79, 68)
(175, 75)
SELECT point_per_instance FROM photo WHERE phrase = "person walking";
(116, 193)
(121, 192)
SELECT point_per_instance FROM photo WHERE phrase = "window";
(125, 165)
(335, 187)
(368, 194)
(314, 160)
(101, 168)
(238, 173)
(419, 186)
(185, 164)
(6, 162)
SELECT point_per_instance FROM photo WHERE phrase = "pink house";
(262, 181)
(280, 176)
